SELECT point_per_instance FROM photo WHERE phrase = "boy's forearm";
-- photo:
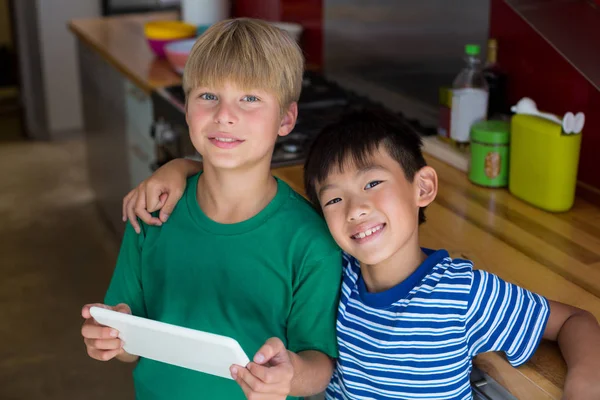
(189, 167)
(312, 372)
(126, 357)
(579, 340)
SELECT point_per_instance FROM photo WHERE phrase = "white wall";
(60, 71)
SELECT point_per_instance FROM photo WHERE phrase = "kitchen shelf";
(572, 27)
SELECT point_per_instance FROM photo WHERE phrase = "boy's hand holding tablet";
(102, 342)
(270, 373)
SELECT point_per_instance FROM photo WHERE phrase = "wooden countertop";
(555, 255)
(121, 41)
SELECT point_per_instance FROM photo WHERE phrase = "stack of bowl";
(177, 53)
(161, 33)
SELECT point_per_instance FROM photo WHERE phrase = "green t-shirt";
(275, 274)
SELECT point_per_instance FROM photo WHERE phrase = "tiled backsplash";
(538, 71)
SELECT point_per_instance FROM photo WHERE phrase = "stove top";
(321, 103)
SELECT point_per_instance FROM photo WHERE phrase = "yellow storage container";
(543, 162)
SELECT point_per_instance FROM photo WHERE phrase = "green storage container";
(490, 141)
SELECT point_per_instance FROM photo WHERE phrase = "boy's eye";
(333, 201)
(250, 98)
(372, 184)
(208, 96)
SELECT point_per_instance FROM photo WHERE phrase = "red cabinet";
(538, 71)
(308, 13)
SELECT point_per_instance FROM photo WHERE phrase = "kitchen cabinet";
(140, 144)
(105, 129)
(118, 71)
(117, 120)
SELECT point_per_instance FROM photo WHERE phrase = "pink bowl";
(177, 53)
(158, 45)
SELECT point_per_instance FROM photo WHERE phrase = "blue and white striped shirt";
(417, 339)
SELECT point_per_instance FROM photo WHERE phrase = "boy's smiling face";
(373, 212)
(231, 127)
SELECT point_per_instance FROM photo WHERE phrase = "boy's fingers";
(103, 355)
(91, 330)
(245, 388)
(142, 212)
(270, 349)
(104, 344)
(250, 381)
(153, 197)
(265, 374)
(126, 200)
(270, 375)
(122, 308)
(85, 311)
(140, 208)
(131, 214)
(170, 202)
(110, 354)
(162, 200)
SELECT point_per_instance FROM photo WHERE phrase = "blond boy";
(243, 255)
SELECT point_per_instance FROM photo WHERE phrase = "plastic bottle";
(469, 97)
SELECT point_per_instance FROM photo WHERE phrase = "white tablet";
(172, 344)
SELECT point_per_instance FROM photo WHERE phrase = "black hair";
(355, 137)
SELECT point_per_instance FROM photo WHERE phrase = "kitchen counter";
(118, 73)
(555, 255)
(120, 40)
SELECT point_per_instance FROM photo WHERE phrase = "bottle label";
(468, 106)
(492, 164)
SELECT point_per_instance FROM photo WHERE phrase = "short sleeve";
(126, 284)
(504, 317)
(311, 324)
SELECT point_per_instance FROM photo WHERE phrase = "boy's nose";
(225, 116)
(357, 211)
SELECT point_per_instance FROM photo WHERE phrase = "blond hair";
(251, 54)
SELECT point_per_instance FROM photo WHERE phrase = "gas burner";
(297, 136)
(321, 103)
(292, 147)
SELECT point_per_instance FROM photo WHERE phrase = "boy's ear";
(427, 184)
(289, 119)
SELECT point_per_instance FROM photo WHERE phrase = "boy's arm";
(578, 335)
(312, 372)
(278, 371)
(306, 366)
(161, 191)
(124, 294)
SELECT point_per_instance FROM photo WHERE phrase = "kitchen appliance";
(321, 103)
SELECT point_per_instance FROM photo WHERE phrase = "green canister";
(490, 142)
